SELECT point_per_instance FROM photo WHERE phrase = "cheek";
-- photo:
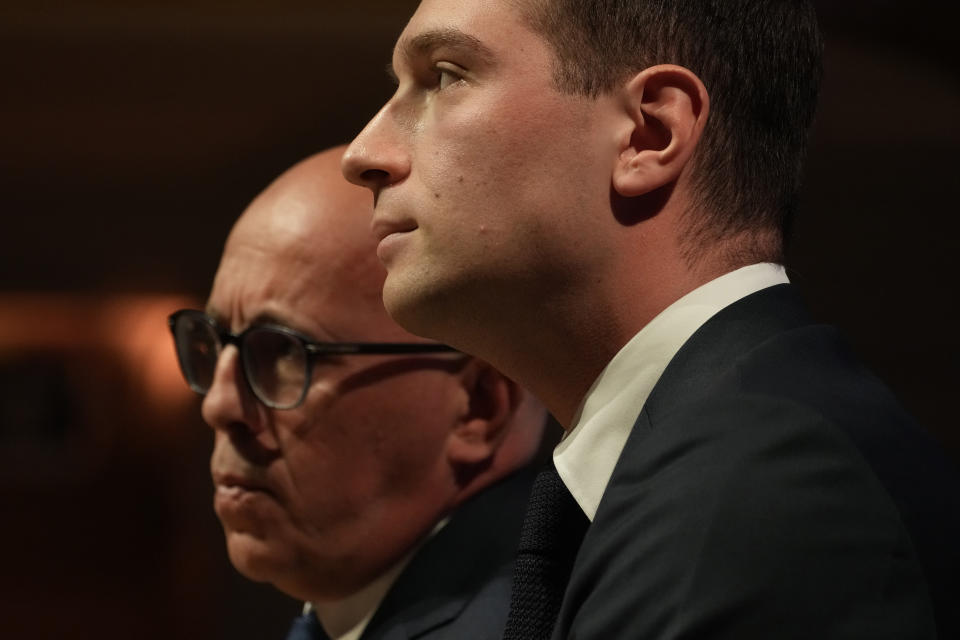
(405, 426)
(370, 443)
(515, 149)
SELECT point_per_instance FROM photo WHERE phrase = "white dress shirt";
(585, 458)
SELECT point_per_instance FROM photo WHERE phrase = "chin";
(424, 308)
(412, 312)
(296, 574)
(258, 559)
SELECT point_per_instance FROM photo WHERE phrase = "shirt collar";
(347, 619)
(586, 456)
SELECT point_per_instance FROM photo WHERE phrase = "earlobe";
(668, 106)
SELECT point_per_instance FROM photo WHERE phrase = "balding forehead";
(305, 277)
(303, 251)
(314, 199)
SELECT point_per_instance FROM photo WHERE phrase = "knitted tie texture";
(552, 531)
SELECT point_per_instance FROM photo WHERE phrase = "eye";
(447, 75)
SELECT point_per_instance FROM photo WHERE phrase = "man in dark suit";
(376, 476)
(593, 197)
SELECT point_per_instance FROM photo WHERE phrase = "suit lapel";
(728, 335)
(709, 351)
(477, 544)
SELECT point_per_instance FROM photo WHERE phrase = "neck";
(348, 617)
(558, 346)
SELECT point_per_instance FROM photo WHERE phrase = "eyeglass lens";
(274, 363)
(276, 366)
(198, 347)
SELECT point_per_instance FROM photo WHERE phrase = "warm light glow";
(132, 326)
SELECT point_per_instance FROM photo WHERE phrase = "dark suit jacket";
(457, 587)
(766, 491)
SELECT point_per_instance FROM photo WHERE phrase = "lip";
(384, 227)
(235, 483)
(240, 501)
(236, 497)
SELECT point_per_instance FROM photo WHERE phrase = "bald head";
(313, 218)
(380, 446)
(311, 203)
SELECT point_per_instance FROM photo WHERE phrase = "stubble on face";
(504, 172)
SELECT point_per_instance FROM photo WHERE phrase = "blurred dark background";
(134, 133)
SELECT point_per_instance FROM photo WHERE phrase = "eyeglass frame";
(312, 349)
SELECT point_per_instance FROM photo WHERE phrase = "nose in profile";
(231, 410)
(376, 158)
(226, 404)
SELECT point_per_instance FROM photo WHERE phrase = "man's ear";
(669, 106)
(493, 400)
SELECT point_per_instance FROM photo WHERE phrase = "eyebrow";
(428, 41)
(320, 333)
(214, 314)
(262, 318)
(265, 317)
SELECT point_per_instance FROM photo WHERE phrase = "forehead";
(484, 26)
(313, 283)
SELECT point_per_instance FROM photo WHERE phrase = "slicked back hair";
(761, 62)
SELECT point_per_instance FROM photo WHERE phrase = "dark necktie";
(552, 531)
(307, 627)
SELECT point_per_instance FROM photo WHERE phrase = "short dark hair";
(761, 61)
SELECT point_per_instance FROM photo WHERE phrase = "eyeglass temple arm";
(372, 348)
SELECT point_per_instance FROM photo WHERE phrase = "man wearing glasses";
(368, 472)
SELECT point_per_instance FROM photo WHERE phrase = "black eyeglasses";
(277, 361)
